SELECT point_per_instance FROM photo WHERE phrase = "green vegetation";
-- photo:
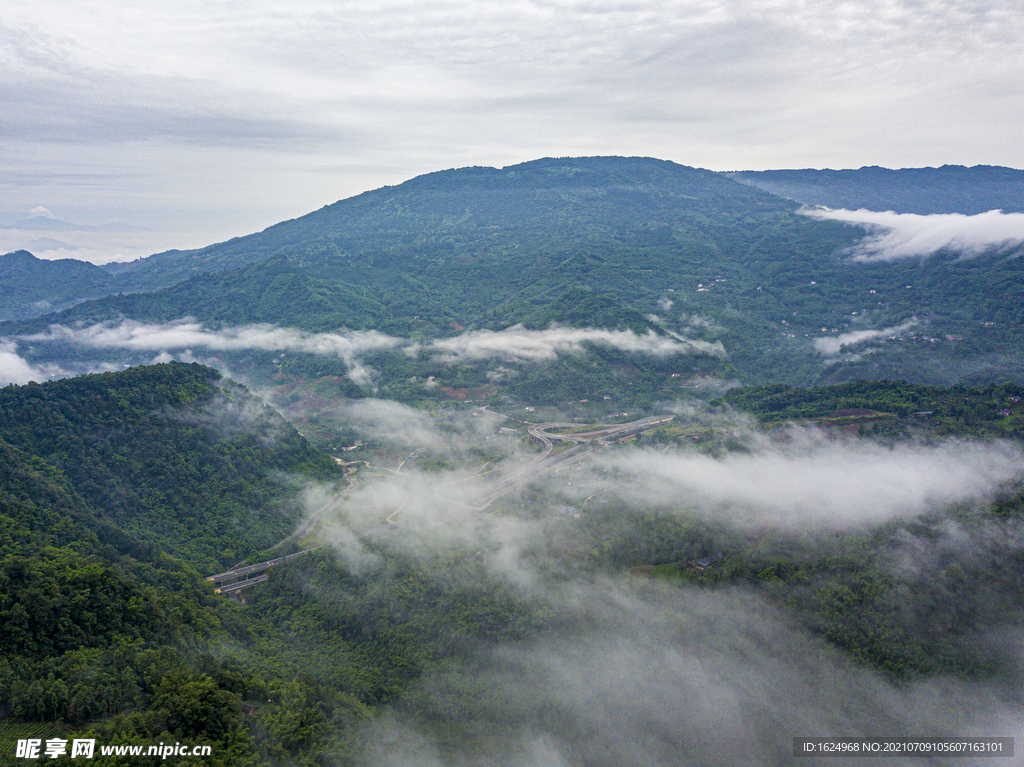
(604, 242)
(120, 491)
(107, 634)
(991, 410)
(949, 189)
(32, 287)
(171, 454)
(908, 622)
(109, 630)
(273, 291)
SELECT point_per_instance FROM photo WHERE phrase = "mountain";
(30, 287)
(486, 247)
(275, 290)
(47, 243)
(607, 242)
(949, 189)
(44, 224)
(279, 291)
(115, 489)
(60, 558)
(170, 453)
(512, 227)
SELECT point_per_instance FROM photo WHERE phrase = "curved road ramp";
(584, 443)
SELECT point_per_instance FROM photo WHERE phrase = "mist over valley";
(582, 461)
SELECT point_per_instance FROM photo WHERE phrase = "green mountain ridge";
(474, 219)
(274, 291)
(34, 287)
(711, 258)
(171, 454)
(949, 189)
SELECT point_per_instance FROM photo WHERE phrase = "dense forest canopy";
(120, 490)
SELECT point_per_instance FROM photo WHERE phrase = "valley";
(558, 461)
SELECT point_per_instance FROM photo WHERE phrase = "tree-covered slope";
(98, 623)
(170, 453)
(273, 291)
(107, 636)
(620, 239)
(514, 226)
(949, 189)
(992, 411)
(30, 286)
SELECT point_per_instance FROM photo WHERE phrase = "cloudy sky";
(207, 120)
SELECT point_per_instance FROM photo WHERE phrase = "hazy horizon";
(194, 119)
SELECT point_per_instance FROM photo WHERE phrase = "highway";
(584, 444)
(243, 577)
(309, 523)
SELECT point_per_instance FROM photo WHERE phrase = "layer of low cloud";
(648, 674)
(187, 334)
(830, 346)
(393, 423)
(97, 247)
(521, 343)
(663, 677)
(16, 369)
(804, 484)
(907, 235)
(515, 343)
(811, 482)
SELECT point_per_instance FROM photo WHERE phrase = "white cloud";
(130, 334)
(205, 112)
(15, 369)
(908, 235)
(513, 343)
(665, 676)
(98, 247)
(186, 334)
(814, 483)
(831, 345)
(392, 422)
(518, 342)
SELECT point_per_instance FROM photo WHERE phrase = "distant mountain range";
(45, 224)
(712, 256)
(949, 189)
(43, 244)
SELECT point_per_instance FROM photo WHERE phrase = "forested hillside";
(274, 291)
(949, 189)
(484, 247)
(118, 491)
(994, 410)
(629, 242)
(31, 286)
(535, 222)
(173, 454)
(110, 635)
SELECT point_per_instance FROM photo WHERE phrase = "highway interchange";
(584, 443)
